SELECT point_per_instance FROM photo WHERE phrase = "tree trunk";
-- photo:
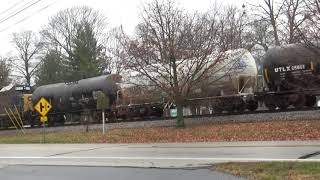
(180, 120)
(275, 31)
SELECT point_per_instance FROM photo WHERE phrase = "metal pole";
(103, 122)
(44, 132)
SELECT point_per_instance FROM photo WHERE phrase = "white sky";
(118, 12)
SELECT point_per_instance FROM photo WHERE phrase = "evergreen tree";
(86, 50)
(51, 69)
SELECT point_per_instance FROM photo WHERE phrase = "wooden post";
(11, 118)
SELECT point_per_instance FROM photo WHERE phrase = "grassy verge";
(260, 131)
(61, 137)
(272, 170)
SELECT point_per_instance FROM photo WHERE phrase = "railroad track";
(254, 116)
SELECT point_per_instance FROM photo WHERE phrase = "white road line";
(161, 158)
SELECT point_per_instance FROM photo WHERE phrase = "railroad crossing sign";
(43, 107)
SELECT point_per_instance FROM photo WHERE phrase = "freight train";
(70, 102)
(290, 78)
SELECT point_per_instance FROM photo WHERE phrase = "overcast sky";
(118, 12)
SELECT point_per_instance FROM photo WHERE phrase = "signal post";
(43, 107)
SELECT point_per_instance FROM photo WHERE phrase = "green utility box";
(173, 112)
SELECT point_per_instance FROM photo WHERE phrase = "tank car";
(230, 86)
(291, 73)
(76, 96)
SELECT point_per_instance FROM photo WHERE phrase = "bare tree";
(260, 34)
(270, 12)
(233, 24)
(175, 51)
(28, 46)
(63, 27)
(79, 33)
(281, 18)
(115, 52)
(293, 11)
(4, 72)
(311, 34)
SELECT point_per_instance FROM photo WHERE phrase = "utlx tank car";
(292, 76)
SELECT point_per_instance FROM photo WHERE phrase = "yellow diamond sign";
(43, 107)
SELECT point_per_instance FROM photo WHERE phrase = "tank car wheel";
(239, 105)
(217, 110)
(270, 102)
(51, 122)
(252, 106)
(193, 110)
(124, 117)
(241, 108)
(300, 101)
(311, 101)
(282, 102)
(111, 116)
(230, 108)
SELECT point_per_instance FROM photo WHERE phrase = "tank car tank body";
(230, 84)
(235, 74)
(291, 73)
(75, 96)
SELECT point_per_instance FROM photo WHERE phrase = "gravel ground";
(257, 117)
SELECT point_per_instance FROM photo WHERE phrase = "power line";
(20, 11)
(28, 17)
(14, 10)
(11, 7)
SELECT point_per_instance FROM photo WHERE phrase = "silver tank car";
(66, 97)
(292, 70)
(236, 74)
(230, 85)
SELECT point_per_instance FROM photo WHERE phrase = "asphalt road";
(102, 173)
(172, 155)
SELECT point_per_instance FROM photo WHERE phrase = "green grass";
(272, 170)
